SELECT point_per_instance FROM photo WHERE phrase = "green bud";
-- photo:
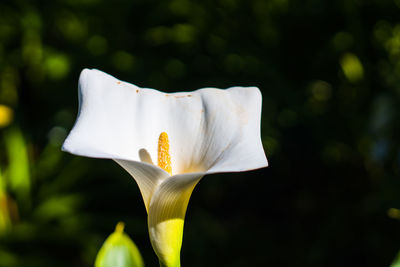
(119, 251)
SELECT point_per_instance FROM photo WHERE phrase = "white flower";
(167, 142)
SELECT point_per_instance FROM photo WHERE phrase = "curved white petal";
(147, 177)
(209, 129)
(167, 214)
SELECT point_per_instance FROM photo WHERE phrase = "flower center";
(164, 158)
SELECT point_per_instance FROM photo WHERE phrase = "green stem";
(178, 264)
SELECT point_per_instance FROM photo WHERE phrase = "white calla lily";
(167, 142)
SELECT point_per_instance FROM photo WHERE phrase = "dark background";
(329, 72)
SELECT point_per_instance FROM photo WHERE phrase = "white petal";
(209, 129)
(167, 214)
(227, 136)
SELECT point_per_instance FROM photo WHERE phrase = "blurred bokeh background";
(329, 72)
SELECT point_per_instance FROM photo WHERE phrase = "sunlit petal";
(209, 129)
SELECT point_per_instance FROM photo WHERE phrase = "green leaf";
(119, 251)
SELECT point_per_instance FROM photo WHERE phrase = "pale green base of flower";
(170, 234)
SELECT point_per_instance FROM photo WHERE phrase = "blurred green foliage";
(396, 262)
(329, 72)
